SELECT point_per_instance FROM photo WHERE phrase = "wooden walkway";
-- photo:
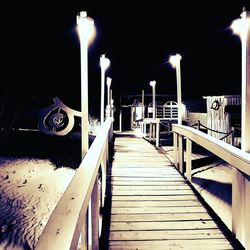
(152, 207)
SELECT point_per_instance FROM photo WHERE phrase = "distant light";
(240, 26)
(104, 62)
(175, 60)
(152, 83)
(85, 27)
(109, 80)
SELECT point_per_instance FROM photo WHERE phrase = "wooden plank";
(136, 210)
(155, 198)
(145, 170)
(161, 217)
(146, 188)
(166, 235)
(163, 225)
(152, 192)
(138, 178)
(147, 183)
(155, 203)
(204, 244)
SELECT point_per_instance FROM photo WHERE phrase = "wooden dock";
(152, 207)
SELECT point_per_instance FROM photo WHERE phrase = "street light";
(86, 33)
(104, 63)
(152, 84)
(109, 80)
(241, 186)
(241, 27)
(175, 62)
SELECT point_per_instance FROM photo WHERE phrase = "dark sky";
(43, 58)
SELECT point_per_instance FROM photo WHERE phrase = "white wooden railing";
(236, 157)
(74, 223)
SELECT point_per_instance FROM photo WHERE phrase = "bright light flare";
(174, 60)
(152, 83)
(109, 80)
(104, 62)
(241, 25)
(85, 27)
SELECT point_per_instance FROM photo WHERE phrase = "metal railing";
(75, 222)
(236, 157)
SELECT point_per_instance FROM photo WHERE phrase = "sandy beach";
(30, 188)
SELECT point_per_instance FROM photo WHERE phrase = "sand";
(30, 188)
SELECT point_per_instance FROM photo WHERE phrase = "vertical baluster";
(189, 160)
(175, 149)
(95, 216)
(180, 154)
(237, 203)
(157, 134)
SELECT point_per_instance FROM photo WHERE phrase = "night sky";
(43, 57)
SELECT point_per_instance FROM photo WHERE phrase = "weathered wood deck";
(152, 207)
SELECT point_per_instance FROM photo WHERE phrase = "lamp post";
(104, 63)
(86, 32)
(175, 62)
(109, 80)
(241, 27)
(241, 186)
(152, 84)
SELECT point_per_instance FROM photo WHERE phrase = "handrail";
(68, 220)
(236, 157)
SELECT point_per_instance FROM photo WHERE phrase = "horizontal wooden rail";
(236, 157)
(69, 219)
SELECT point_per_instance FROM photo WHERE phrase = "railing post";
(157, 134)
(189, 160)
(175, 139)
(150, 131)
(84, 234)
(95, 216)
(247, 213)
(199, 125)
(233, 133)
(180, 154)
(153, 131)
(238, 194)
(104, 176)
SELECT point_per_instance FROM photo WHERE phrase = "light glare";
(85, 27)
(152, 83)
(241, 25)
(104, 62)
(175, 60)
(109, 81)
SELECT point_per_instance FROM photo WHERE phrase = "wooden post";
(189, 160)
(237, 203)
(150, 131)
(143, 108)
(247, 213)
(240, 203)
(84, 233)
(153, 128)
(199, 125)
(175, 139)
(95, 216)
(245, 95)
(120, 120)
(104, 176)
(157, 133)
(180, 154)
